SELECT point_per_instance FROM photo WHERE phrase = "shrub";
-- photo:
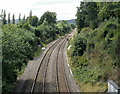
(79, 46)
(17, 50)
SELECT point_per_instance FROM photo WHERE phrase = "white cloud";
(65, 9)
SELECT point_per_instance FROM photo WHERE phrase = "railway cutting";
(50, 72)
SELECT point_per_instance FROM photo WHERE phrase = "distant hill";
(68, 21)
(71, 21)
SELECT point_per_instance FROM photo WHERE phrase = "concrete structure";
(113, 88)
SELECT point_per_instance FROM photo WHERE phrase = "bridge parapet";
(113, 88)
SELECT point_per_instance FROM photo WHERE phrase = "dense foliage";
(20, 42)
(95, 55)
(17, 50)
(50, 17)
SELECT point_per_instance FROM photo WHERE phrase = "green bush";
(17, 50)
(79, 46)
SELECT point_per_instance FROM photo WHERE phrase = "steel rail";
(33, 85)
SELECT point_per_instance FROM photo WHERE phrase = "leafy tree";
(50, 17)
(63, 27)
(17, 50)
(72, 26)
(24, 17)
(34, 21)
(9, 18)
(4, 18)
(45, 22)
(45, 32)
(87, 15)
(107, 10)
(19, 16)
(23, 24)
(80, 21)
(13, 19)
(91, 17)
(79, 46)
(30, 18)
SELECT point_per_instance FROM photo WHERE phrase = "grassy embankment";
(94, 56)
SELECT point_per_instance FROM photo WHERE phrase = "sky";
(65, 9)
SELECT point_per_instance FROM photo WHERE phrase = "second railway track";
(39, 84)
(61, 76)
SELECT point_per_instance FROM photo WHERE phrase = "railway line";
(41, 72)
(50, 76)
(62, 81)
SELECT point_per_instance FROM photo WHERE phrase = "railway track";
(43, 64)
(50, 74)
(61, 76)
(60, 72)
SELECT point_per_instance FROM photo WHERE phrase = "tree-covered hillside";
(72, 21)
(95, 56)
(23, 41)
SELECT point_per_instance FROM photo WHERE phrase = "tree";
(9, 18)
(80, 21)
(50, 17)
(24, 17)
(107, 10)
(34, 21)
(63, 27)
(13, 19)
(72, 26)
(79, 46)
(4, 17)
(91, 17)
(30, 17)
(19, 16)
(17, 50)
(87, 15)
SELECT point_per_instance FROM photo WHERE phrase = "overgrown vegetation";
(94, 55)
(21, 42)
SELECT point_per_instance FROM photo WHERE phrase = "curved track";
(41, 76)
(52, 75)
(41, 72)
